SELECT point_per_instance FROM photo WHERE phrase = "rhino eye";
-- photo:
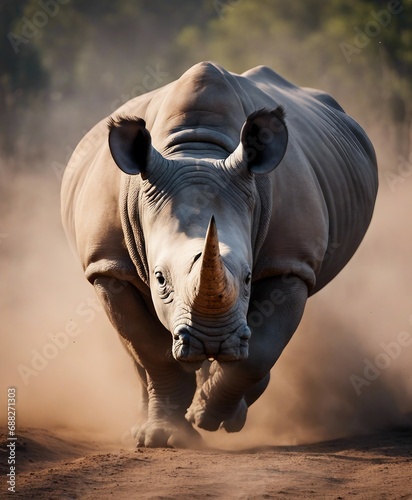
(248, 279)
(164, 284)
(161, 280)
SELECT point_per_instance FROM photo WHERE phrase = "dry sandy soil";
(54, 465)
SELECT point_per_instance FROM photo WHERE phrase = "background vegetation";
(67, 63)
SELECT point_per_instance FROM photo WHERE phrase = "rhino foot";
(236, 422)
(166, 434)
(202, 414)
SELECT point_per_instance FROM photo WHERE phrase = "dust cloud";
(70, 370)
(57, 347)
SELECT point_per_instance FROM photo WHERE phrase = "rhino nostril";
(182, 334)
(246, 333)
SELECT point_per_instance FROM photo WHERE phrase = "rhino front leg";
(169, 388)
(165, 425)
(275, 311)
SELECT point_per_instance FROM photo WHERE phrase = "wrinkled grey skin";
(205, 227)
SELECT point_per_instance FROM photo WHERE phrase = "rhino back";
(207, 105)
(325, 188)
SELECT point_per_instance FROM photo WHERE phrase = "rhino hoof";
(236, 422)
(161, 434)
(204, 418)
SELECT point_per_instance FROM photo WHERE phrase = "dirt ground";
(55, 465)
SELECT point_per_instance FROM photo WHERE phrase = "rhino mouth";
(191, 346)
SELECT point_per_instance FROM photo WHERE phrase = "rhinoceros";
(205, 213)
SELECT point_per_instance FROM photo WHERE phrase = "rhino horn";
(214, 290)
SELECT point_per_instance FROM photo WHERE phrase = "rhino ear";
(263, 140)
(130, 144)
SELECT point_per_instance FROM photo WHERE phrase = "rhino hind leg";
(232, 417)
(212, 415)
(257, 390)
(206, 417)
(210, 409)
(236, 422)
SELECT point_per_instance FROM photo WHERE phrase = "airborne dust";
(60, 352)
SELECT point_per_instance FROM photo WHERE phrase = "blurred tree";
(23, 79)
(101, 53)
(396, 53)
(359, 51)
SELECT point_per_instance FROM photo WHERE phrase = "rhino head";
(197, 217)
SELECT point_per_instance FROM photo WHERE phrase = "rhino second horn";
(215, 290)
